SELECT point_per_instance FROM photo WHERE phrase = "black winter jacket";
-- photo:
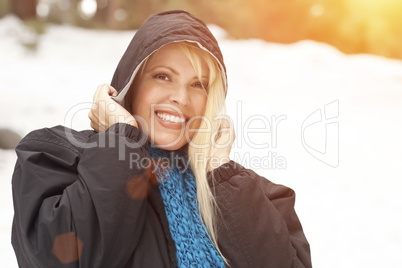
(83, 207)
(80, 202)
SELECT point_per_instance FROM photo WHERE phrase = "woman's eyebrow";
(166, 67)
(174, 71)
(202, 77)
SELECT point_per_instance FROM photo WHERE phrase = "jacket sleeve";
(259, 226)
(75, 206)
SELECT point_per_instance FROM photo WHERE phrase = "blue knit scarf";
(178, 188)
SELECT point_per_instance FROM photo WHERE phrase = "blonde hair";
(200, 145)
(214, 107)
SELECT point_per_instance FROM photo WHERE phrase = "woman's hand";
(220, 150)
(106, 112)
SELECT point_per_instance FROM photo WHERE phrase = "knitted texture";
(178, 188)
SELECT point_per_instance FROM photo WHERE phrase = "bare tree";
(107, 13)
(101, 15)
(24, 9)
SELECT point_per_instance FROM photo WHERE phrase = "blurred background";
(353, 26)
(298, 60)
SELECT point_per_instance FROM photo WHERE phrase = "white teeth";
(171, 118)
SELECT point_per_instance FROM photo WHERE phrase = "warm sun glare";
(376, 22)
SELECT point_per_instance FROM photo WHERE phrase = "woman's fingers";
(222, 145)
(103, 92)
(112, 91)
(226, 135)
(106, 112)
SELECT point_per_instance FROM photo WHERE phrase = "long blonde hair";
(199, 154)
(200, 145)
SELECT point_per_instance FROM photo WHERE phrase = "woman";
(153, 185)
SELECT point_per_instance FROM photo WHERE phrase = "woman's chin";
(169, 147)
(169, 144)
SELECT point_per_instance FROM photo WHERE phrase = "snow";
(350, 210)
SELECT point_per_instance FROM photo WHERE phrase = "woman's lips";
(170, 120)
(174, 113)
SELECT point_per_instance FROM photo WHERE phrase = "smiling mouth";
(170, 117)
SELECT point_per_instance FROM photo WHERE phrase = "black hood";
(159, 30)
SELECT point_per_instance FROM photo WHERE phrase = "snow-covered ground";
(307, 116)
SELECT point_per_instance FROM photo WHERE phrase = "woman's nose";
(179, 95)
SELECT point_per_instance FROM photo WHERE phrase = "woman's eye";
(162, 77)
(200, 85)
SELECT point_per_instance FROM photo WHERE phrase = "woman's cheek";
(193, 126)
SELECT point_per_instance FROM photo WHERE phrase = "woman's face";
(169, 98)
